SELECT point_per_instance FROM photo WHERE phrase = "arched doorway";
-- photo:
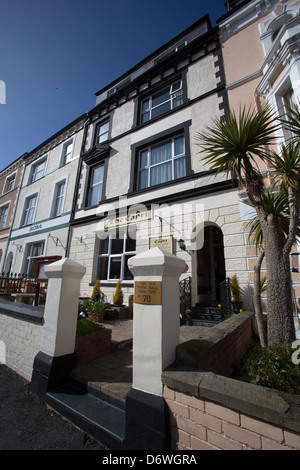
(210, 266)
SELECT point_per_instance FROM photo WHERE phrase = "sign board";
(147, 292)
(165, 243)
(138, 216)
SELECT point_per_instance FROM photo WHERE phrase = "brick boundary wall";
(20, 336)
(216, 349)
(93, 346)
(209, 411)
(200, 424)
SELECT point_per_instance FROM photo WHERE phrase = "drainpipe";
(24, 156)
(67, 250)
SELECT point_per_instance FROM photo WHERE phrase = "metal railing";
(13, 284)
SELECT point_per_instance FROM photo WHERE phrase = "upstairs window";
(95, 185)
(67, 152)
(29, 210)
(9, 184)
(161, 102)
(59, 196)
(3, 216)
(161, 163)
(102, 132)
(37, 170)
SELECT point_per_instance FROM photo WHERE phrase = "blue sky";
(55, 55)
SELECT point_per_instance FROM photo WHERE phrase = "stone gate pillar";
(56, 357)
(156, 334)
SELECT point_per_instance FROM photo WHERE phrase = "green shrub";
(97, 307)
(236, 290)
(96, 294)
(84, 327)
(118, 297)
(272, 367)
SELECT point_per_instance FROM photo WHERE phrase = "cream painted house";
(142, 182)
(261, 49)
(40, 227)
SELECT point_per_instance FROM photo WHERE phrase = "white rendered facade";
(41, 222)
(142, 162)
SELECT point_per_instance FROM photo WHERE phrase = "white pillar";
(57, 356)
(61, 309)
(156, 320)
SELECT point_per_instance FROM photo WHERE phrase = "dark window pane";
(102, 268)
(127, 273)
(115, 268)
(117, 245)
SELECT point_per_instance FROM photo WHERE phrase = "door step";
(97, 415)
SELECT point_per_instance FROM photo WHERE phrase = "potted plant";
(237, 294)
(96, 310)
(118, 296)
(120, 310)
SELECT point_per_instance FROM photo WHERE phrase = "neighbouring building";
(41, 222)
(10, 184)
(142, 181)
(261, 50)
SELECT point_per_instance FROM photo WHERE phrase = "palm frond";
(233, 142)
(286, 165)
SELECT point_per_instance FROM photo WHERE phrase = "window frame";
(64, 154)
(98, 126)
(10, 179)
(58, 184)
(156, 94)
(180, 129)
(92, 168)
(109, 255)
(35, 164)
(3, 216)
(26, 208)
(28, 255)
(151, 166)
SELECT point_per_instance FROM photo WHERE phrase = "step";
(103, 421)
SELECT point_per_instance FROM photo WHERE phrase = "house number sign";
(147, 292)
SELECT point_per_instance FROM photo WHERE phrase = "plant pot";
(95, 317)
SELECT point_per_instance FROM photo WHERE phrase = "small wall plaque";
(147, 292)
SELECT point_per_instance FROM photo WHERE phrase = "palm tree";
(233, 144)
(277, 204)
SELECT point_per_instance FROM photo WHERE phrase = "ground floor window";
(32, 252)
(113, 255)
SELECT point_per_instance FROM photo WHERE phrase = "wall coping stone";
(26, 312)
(194, 351)
(279, 408)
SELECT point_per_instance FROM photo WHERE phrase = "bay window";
(161, 163)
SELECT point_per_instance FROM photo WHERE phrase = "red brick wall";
(228, 351)
(93, 346)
